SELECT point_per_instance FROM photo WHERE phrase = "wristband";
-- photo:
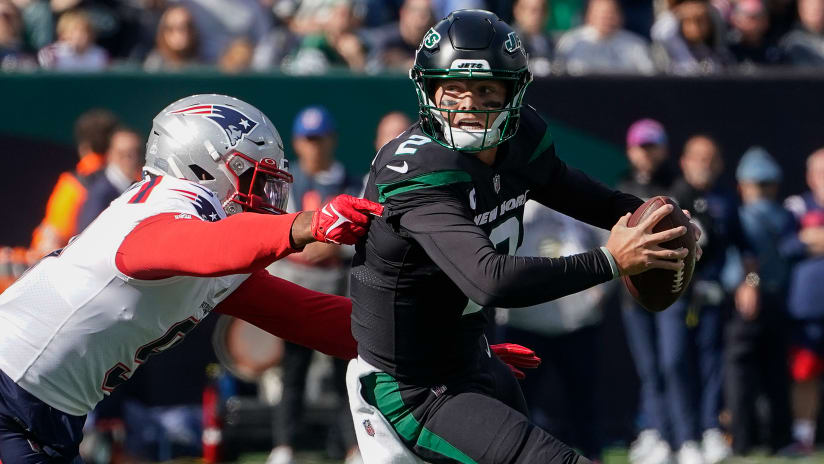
(612, 264)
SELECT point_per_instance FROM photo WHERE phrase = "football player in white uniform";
(184, 242)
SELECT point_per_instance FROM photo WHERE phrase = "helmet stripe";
(199, 109)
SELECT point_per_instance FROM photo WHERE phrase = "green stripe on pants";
(382, 391)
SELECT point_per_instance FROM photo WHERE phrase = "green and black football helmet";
(471, 44)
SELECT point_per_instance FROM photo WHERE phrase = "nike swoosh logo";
(401, 169)
(339, 218)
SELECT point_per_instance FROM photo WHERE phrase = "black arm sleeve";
(575, 194)
(462, 250)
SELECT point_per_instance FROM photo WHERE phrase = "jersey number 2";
(409, 147)
(119, 373)
(505, 239)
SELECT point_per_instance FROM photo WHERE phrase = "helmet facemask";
(262, 186)
(504, 120)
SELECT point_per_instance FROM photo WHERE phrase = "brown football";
(657, 289)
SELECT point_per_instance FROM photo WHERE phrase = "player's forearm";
(489, 278)
(172, 244)
(296, 314)
(493, 279)
(301, 233)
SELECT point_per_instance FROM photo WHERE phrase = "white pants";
(378, 442)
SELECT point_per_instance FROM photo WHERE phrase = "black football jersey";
(410, 316)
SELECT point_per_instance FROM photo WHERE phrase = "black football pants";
(756, 356)
(480, 419)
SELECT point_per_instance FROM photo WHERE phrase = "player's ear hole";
(201, 173)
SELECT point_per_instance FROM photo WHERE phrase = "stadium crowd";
(683, 37)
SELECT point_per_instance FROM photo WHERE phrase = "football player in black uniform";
(424, 282)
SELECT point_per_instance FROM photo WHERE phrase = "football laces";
(678, 280)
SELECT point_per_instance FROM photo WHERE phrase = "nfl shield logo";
(496, 182)
(368, 427)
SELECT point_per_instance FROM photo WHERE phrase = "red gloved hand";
(516, 356)
(342, 220)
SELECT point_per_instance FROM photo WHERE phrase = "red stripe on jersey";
(188, 194)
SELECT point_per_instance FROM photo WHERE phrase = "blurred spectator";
(804, 303)
(530, 17)
(749, 43)
(310, 16)
(647, 152)
(237, 57)
(337, 46)
(38, 23)
(124, 158)
(390, 126)
(601, 46)
(380, 12)
(114, 30)
(75, 49)
(271, 49)
(144, 17)
(756, 345)
(804, 45)
(321, 267)
(12, 55)
(177, 42)
(649, 176)
(221, 22)
(690, 330)
(690, 39)
(639, 16)
(442, 8)
(92, 133)
(562, 392)
(393, 46)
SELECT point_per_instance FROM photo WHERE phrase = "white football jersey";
(73, 327)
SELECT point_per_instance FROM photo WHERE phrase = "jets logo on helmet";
(432, 38)
(513, 42)
(235, 124)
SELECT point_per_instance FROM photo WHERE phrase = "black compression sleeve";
(462, 250)
(575, 194)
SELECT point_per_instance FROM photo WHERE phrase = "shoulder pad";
(533, 138)
(166, 194)
(413, 161)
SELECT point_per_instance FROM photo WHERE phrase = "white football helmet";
(225, 145)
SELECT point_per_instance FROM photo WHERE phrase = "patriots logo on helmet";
(235, 124)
